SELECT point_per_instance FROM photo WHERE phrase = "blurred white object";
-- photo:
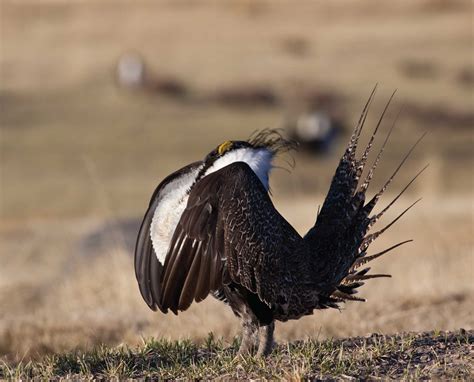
(313, 126)
(131, 70)
(315, 130)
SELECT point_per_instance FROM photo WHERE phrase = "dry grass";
(440, 355)
(76, 301)
(60, 104)
(76, 151)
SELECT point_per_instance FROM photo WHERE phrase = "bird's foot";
(266, 343)
(249, 339)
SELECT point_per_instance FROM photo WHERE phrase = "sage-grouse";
(211, 228)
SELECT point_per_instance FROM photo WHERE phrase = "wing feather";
(235, 229)
(148, 270)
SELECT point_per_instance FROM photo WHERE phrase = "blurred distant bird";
(314, 131)
(211, 227)
(131, 71)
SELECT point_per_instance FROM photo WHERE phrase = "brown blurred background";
(101, 100)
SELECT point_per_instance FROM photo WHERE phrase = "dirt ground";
(78, 153)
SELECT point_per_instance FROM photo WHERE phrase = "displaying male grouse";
(211, 227)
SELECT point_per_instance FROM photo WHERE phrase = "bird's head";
(258, 152)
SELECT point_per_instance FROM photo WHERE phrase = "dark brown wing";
(147, 267)
(229, 231)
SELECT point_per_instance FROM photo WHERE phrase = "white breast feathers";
(174, 196)
(259, 160)
(172, 202)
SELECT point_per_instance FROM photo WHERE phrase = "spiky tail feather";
(340, 234)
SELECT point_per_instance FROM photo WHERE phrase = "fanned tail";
(340, 235)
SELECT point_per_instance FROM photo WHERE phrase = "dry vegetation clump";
(444, 355)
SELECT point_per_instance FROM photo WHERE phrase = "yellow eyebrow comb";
(223, 147)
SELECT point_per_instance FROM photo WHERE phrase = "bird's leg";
(249, 331)
(265, 345)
